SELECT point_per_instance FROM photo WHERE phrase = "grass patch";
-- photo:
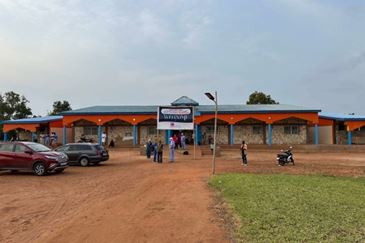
(287, 208)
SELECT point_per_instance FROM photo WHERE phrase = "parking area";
(131, 199)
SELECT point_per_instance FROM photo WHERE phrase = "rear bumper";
(105, 158)
(99, 159)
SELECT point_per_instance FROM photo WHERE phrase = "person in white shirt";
(172, 150)
(103, 138)
(183, 141)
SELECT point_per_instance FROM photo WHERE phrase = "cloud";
(153, 51)
(346, 66)
(194, 24)
(151, 26)
(308, 7)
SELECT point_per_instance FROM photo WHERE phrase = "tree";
(13, 106)
(260, 98)
(60, 106)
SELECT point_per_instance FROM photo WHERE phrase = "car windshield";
(38, 147)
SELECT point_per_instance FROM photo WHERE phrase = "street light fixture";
(215, 100)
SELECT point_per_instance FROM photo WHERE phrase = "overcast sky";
(114, 52)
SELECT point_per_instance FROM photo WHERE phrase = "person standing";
(183, 141)
(155, 151)
(55, 137)
(149, 148)
(46, 139)
(211, 142)
(103, 138)
(159, 151)
(52, 139)
(244, 153)
(172, 150)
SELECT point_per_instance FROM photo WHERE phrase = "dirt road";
(131, 199)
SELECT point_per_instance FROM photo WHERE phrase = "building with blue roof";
(338, 128)
(256, 124)
(32, 129)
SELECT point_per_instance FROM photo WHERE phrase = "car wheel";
(84, 161)
(39, 169)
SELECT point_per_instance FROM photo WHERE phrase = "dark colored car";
(84, 153)
(28, 156)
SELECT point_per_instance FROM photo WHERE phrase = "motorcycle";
(285, 157)
(85, 140)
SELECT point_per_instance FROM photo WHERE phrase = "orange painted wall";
(352, 125)
(325, 122)
(28, 127)
(269, 118)
(102, 119)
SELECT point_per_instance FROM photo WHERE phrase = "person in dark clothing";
(155, 151)
(244, 153)
(149, 148)
(159, 151)
(111, 144)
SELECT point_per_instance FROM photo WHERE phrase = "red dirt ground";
(130, 199)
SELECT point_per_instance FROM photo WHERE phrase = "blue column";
(269, 134)
(64, 135)
(5, 137)
(349, 137)
(316, 134)
(99, 135)
(232, 135)
(134, 135)
(168, 136)
(196, 134)
(33, 134)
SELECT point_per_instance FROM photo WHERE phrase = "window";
(128, 134)
(80, 148)
(287, 130)
(20, 148)
(257, 129)
(90, 131)
(6, 147)
(151, 130)
(63, 148)
(292, 129)
(209, 129)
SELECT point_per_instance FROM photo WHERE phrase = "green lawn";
(287, 208)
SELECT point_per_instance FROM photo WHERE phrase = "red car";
(27, 156)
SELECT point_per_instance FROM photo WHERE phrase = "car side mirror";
(30, 152)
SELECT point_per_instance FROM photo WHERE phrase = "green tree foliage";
(260, 98)
(13, 106)
(60, 106)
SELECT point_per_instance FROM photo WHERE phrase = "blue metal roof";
(111, 110)
(246, 109)
(201, 109)
(184, 100)
(341, 117)
(33, 120)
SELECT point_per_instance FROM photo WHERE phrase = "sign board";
(175, 118)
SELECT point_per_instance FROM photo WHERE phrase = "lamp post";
(215, 100)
